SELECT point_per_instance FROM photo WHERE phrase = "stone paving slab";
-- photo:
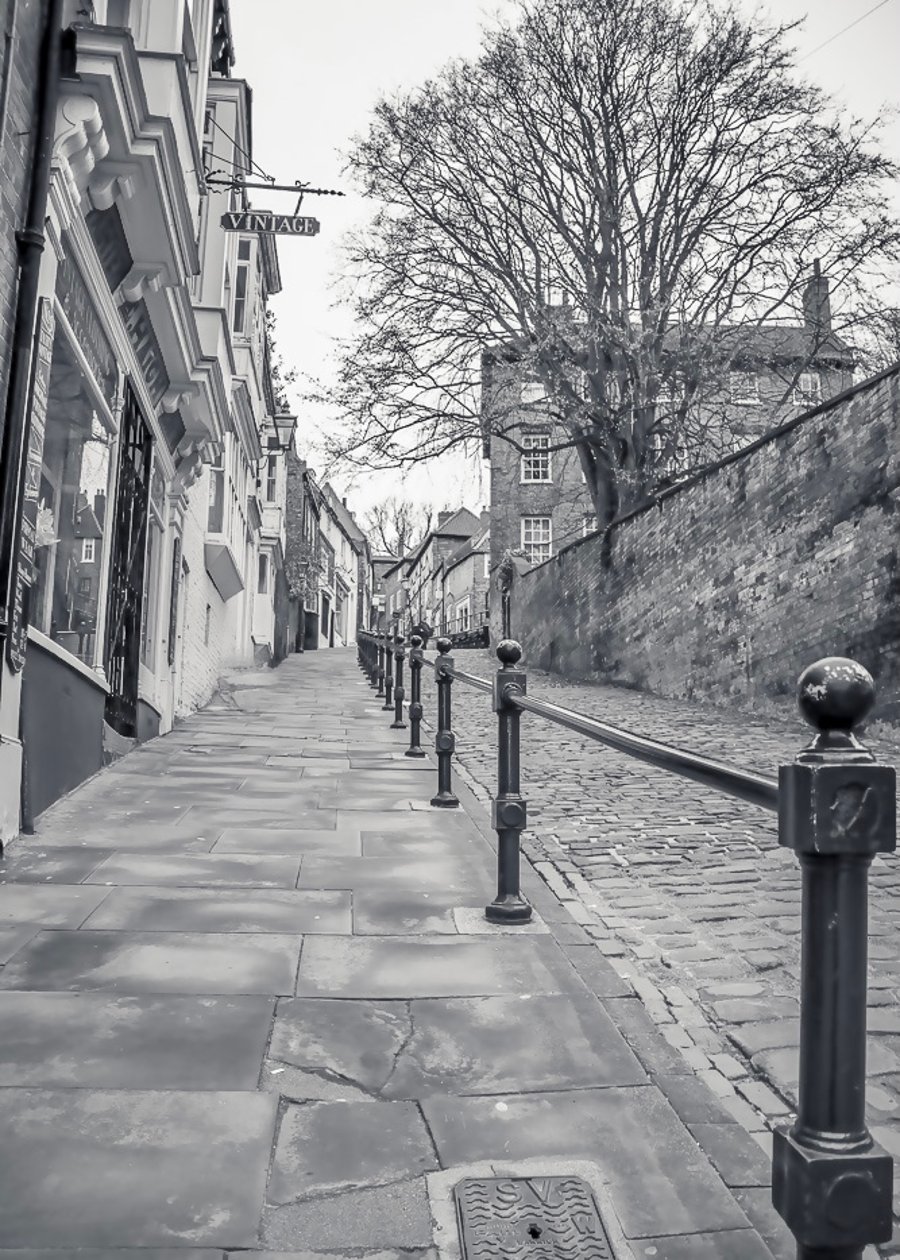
(155, 962)
(393, 1216)
(69, 865)
(393, 912)
(236, 870)
(346, 842)
(54, 905)
(440, 873)
(331, 1147)
(223, 910)
(114, 1168)
(427, 966)
(510, 1045)
(125, 1042)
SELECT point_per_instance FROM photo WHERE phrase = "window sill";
(535, 481)
(52, 648)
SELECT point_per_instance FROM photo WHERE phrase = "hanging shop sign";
(23, 576)
(266, 221)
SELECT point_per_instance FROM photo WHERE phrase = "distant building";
(465, 589)
(539, 498)
(424, 589)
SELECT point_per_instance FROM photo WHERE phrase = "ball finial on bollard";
(416, 641)
(443, 645)
(509, 652)
(835, 694)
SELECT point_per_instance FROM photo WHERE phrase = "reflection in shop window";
(71, 517)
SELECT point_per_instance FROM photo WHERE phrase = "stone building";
(150, 414)
(422, 576)
(345, 578)
(465, 589)
(303, 510)
(539, 499)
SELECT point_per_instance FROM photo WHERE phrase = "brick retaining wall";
(725, 588)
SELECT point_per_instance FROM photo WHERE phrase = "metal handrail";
(753, 788)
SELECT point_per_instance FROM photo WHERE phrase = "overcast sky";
(316, 71)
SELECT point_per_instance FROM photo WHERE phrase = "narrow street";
(251, 1003)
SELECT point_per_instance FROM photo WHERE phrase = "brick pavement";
(686, 891)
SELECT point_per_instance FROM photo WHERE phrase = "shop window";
(271, 478)
(536, 538)
(151, 594)
(71, 506)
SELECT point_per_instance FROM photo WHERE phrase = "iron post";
(415, 698)
(444, 740)
(380, 663)
(836, 809)
(508, 811)
(399, 656)
(388, 671)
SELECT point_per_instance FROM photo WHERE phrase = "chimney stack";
(817, 305)
(443, 517)
(100, 507)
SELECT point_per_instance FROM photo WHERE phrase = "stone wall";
(725, 588)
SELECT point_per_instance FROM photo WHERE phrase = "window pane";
(240, 298)
(263, 584)
(216, 518)
(536, 538)
(536, 457)
(71, 509)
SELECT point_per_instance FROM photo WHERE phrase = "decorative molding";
(141, 280)
(114, 182)
(81, 141)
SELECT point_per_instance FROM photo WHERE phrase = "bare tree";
(397, 525)
(613, 197)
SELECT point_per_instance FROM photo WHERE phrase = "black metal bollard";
(508, 813)
(388, 672)
(379, 666)
(372, 648)
(399, 655)
(444, 740)
(415, 698)
(836, 809)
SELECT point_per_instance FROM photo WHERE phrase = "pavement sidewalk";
(250, 1003)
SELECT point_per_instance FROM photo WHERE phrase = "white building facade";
(139, 572)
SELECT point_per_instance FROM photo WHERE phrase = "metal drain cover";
(540, 1218)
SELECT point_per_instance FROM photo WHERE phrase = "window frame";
(738, 395)
(528, 546)
(804, 397)
(536, 449)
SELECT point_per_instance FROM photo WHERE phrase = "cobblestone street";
(687, 891)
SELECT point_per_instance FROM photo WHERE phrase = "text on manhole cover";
(541, 1218)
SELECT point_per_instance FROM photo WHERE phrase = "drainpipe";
(31, 246)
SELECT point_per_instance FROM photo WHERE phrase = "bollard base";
(837, 1203)
(414, 752)
(398, 726)
(444, 800)
(508, 909)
